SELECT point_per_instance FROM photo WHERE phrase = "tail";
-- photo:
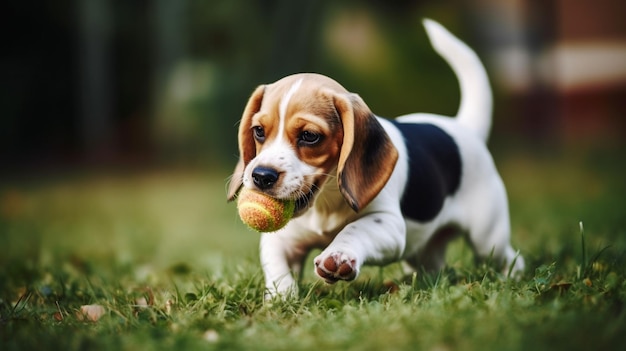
(476, 99)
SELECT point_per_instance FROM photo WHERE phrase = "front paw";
(272, 293)
(282, 289)
(336, 266)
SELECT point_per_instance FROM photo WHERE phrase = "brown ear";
(367, 156)
(247, 146)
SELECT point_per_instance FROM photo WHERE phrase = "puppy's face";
(298, 132)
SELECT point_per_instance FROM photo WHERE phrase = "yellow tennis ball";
(263, 213)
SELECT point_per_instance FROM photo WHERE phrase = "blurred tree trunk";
(95, 84)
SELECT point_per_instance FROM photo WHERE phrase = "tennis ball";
(263, 213)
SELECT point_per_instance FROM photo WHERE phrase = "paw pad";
(335, 267)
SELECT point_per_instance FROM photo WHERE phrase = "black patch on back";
(434, 169)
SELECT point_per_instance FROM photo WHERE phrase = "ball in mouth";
(262, 212)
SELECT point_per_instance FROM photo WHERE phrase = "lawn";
(157, 260)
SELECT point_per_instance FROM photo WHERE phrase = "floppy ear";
(247, 146)
(367, 156)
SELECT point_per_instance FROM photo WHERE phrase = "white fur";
(379, 234)
(281, 156)
(282, 110)
(476, 100)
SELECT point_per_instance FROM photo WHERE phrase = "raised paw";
(336, 266)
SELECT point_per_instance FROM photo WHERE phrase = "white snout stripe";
(282, 109)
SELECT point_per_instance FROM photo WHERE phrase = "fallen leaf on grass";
(391, 286)
(58, 316)
(211, 336)
(91, 312)
(141, 302)
(168, 306)
(147, 299)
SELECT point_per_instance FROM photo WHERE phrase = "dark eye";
(307, 138)
(259, 133)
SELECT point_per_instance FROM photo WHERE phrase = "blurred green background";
(119, 118)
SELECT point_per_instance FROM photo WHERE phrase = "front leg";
(282, 255)
(279, 261)
(375, 238)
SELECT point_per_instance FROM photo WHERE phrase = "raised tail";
(476, 100)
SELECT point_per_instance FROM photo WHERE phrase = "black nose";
(264, 178)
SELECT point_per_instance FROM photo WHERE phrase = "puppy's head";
(304, 129)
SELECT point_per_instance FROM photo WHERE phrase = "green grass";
(174, 268)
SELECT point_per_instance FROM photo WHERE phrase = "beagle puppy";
(370, 190)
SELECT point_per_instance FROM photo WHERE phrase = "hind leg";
(432, 257)
(490, 235)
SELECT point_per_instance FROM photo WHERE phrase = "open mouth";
(303, 202)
